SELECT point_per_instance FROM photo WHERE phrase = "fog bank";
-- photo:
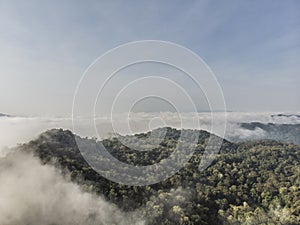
(35, 194)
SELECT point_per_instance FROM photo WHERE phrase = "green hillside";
(255, 182)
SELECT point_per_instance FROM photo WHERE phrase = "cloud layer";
(14, 130)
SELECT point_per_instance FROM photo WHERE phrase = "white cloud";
(36, 194)
(14, 130)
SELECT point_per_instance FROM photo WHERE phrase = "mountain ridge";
(288, 133)
(4, 115)
(246, 183)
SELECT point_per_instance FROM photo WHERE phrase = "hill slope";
(249, 183)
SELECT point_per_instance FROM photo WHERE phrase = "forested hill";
(248, 183)
(288, 133)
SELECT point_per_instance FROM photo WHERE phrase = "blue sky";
(252, 46)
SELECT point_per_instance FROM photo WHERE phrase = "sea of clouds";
(17, 130)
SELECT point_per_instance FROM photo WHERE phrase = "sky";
(253, 47)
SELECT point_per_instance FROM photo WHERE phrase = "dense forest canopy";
(253, 182)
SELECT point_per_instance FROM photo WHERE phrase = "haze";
(252, 46)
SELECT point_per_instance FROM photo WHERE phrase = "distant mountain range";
(4, 115)
(285, 115)
(288, 133)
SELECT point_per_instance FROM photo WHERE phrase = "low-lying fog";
(14, 130)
